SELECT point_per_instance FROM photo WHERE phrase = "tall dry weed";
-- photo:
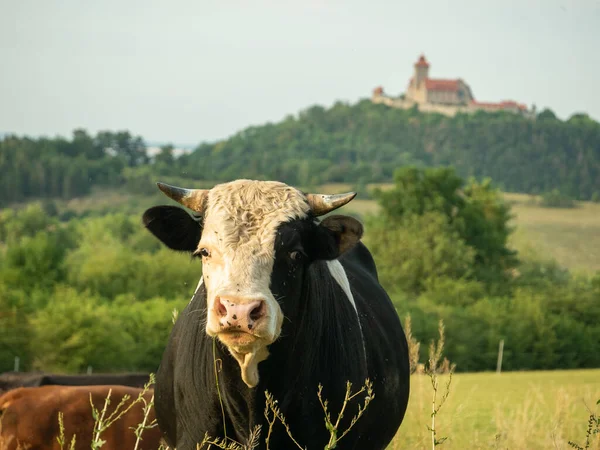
(414, 346)
(435, 367)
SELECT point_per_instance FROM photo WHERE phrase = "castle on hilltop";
(444, 96)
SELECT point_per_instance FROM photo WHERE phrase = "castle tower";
(421, 71)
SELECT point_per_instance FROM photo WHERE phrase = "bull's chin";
(248, 350)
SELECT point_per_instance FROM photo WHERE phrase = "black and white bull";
(285, 303)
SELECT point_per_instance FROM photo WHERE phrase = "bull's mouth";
(237, 338)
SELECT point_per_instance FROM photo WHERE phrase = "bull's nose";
(243, 316)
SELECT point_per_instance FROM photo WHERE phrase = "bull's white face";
(237, 248)
(242, 221)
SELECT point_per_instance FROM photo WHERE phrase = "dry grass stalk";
(348, 397)
(517, 429)
(101, 423)
(144, 425)
(272, 414)
(61, 436)
(228, 443)
(592, 432)
(433, 369)
(413, 345)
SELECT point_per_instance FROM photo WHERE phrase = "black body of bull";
(322, 342)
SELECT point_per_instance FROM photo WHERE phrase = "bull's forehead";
(243, 216)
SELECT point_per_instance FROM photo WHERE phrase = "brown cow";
(29, 418)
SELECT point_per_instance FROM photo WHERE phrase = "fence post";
(89, 370)
(17, 361)
(500, 352)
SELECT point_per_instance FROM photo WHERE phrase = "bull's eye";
(204, 252)
(296, 256)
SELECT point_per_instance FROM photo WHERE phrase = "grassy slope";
(517, 410)
(570, 236)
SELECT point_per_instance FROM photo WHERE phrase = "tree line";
(63, 168)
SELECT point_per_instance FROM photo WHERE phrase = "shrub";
(555, 199)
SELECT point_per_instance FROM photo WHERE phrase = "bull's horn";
(322, 204)
(195, 199)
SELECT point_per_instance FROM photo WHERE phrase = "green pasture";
(512, 410)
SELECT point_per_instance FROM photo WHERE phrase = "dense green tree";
(474, 215)
(554, 199)
(76, 330)
(35, 262)
(123, 144)
(15, 333)
(149, 324)
(416, 249)
(26, 222)
(547, 114)
(115, 255)
(165, 156)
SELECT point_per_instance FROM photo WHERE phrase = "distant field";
(570, 236)
(513, 410)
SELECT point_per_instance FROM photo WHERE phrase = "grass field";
(512, 410)
(570, 236)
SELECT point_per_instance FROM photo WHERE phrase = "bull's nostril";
(221, 309)
(258, 311)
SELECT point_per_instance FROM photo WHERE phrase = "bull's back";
(30, 418)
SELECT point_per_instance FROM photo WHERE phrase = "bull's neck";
(239, 402)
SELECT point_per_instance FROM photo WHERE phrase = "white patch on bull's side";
(339, 274)
(240, 225)
(197, 287)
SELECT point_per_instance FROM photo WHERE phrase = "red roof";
(422, 62)
(441, 85)
(507, 104)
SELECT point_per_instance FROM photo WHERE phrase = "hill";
(365, 142)
(360, 143)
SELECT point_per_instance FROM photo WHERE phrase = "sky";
(193, 71)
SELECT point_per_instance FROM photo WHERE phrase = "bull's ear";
(174, 227)
(338, 234)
